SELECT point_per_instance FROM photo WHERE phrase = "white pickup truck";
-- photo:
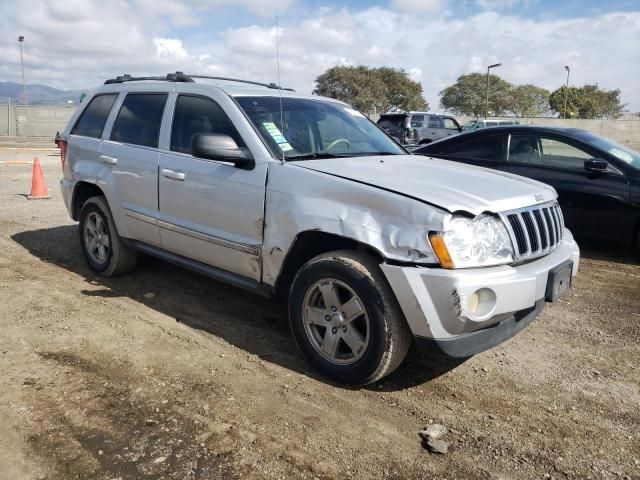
(303, 197)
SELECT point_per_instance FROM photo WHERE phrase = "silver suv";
(302, 196)
(418, 128)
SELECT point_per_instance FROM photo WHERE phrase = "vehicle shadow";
(248, 321)
(607, 251)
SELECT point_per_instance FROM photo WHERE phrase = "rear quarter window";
(94, 117)
(391, 121)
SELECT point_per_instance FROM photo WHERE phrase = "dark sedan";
(597, 180)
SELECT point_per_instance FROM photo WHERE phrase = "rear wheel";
(345, 318)
(103, 248)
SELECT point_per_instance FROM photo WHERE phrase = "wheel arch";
(82, 191)
(311, 243)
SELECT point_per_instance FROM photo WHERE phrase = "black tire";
(389, 336)
(120, 258)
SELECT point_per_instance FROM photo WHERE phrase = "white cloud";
(259, 7)
(498, 4)
(86, 41)
(169, 48)
(418, 6)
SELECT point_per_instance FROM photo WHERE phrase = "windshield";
(470, 125)
(315, 129)
(392, 121)
(621, 152)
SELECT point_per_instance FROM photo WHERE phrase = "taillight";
(62, 144)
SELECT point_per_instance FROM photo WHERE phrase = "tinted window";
(485, 148)
(199, 115)
(91, 122)
(417, 121)
(524, 149)
(139, 119)
(435, 122)
(450, 124)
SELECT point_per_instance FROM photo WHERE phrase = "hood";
(449, 185)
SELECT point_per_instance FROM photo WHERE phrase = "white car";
(303, 197)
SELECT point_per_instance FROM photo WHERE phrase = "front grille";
(535, 231)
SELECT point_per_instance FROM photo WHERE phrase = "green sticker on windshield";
(277, 136)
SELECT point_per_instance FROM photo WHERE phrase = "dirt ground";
(166, 374)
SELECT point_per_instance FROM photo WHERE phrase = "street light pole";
(566, 91)
(486, 107)
(24, 84)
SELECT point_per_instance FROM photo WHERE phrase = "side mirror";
(217, 146)
(596, 165)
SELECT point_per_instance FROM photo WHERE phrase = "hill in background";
(37, 94)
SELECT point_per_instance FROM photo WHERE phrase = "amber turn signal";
(440, 249)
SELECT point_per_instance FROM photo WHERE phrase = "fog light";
(481, 303)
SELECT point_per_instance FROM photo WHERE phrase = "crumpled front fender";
(299, 200)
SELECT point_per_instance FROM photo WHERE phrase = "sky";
(79, 43)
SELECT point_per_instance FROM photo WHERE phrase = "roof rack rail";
(181, 77)
(250, 82)
(169, 77)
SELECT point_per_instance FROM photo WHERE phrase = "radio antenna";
(279, 83)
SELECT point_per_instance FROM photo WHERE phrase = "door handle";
(172, 174)
(108, 160)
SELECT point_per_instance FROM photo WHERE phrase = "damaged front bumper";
(464, 312)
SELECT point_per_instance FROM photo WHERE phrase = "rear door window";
(435, 122)
(94, 117)
(139, 119)
(194, 115)
(524, 149)
(485, 148)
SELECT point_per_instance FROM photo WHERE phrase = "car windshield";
(310, 129)
(392, 121)
(470, 125)
(621, 152)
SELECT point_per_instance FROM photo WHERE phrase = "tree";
(364, 87)
(468, 95)
(529, 101)
(588, 101)
(402, 93)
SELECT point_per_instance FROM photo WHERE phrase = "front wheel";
(345, 318)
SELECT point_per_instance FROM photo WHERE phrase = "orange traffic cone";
(38, 187)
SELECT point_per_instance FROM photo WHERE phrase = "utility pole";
(566, 92)
(24, 84)
(486, 108)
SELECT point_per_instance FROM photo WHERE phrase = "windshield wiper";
(320, 155)
(373, 154)
(312, 156)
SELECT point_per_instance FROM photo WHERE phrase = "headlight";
(477, 242)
